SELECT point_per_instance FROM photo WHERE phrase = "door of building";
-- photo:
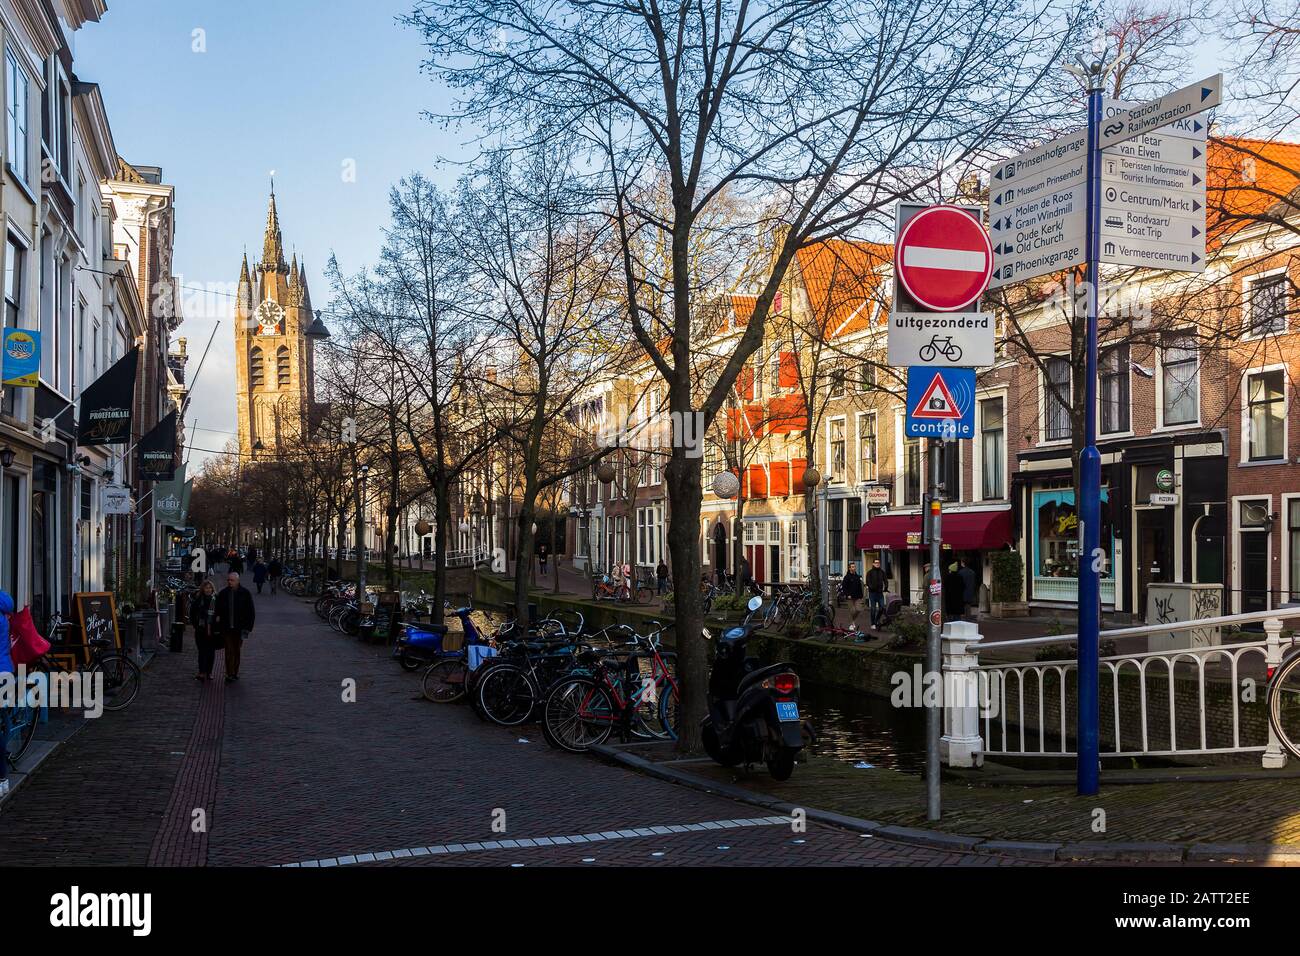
(1254, 570)
(720, 548)
(1154, 554)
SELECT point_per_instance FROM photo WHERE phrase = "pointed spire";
(273, 243)
(245, 291)
(302, 281)
(293, 270)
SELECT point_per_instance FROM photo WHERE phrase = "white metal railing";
(1048, 588)
(468, 557)
(1022, 708)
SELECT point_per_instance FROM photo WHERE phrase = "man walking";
(233, 620)
(876, 584)
(273, 572)
(259, 574)
(851, 588)
(970, 589)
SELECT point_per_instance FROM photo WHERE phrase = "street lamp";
(6, 457)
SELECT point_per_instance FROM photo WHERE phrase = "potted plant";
(1008, 575)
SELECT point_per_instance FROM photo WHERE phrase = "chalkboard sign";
(97, 617)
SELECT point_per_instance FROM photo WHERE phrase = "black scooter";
(753, 710)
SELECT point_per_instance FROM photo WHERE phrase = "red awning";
(962, 531)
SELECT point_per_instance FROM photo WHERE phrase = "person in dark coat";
(954, 594)
(273, 572)
(233, 620)
(851, 588)
(202, 610)
(876, 584)
(970, 587)
(259, 575)
(661, 576)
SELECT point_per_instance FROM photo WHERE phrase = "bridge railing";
(1197, 700)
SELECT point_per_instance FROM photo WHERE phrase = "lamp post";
(813, 480)
(362, 472)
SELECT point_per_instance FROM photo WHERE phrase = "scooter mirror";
(755, 603)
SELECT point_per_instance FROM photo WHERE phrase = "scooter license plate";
(787, 710)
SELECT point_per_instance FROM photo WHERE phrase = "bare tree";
(815, 114)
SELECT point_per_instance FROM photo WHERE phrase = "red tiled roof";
(1245, 179)
(842, 278)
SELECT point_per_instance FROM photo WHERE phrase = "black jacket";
(876, 580)
(851, 586)
(235, 611)
(199, 607)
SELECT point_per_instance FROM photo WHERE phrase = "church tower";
(273, 358)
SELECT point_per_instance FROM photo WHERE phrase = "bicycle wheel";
(927, 353)
(121, 677)
(444, 681)
(18, 728)
(954, 354)
(669, 704)
(506, 695)
(578, 714)
(1284, 704)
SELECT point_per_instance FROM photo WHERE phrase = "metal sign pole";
(1089, 491)
(933, 663)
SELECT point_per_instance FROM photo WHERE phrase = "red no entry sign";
(944, 258)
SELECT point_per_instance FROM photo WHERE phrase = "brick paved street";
(286, 772)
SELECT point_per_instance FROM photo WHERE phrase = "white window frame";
(857, 443)
(1160, 384)
(1043, 440)
(1244, 450)
(1285, 536)
(13, 147)
(840, 478)
(977, 449)
(1247, 301)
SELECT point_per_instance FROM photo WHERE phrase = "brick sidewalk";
(287, 771)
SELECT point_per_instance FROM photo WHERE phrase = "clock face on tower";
(270, 318)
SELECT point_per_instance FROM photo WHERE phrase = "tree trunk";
(523, 557)
(738, 544)
(683, 477)
(441, 531)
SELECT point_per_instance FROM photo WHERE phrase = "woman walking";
(202, 609)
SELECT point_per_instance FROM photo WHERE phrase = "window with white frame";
(911, 471)
(1266, 305)
(15, 257)
(837, 461)
(1179, 380)
(16, 89)
(993, 449)
(1114, 382)
(867, 447)
(1266, 415)
(866, 375)
(1056, 399)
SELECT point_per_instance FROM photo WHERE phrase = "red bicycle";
(637, 693)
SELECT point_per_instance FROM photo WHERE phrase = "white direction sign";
(1118, 169)
(1153, 254)
(1192, 128)
(1123, 196)
(1161, 148)
(1121, 223)
(945, 339)
(1174, 107)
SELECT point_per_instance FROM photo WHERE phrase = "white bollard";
(961, 744)
(1274, 755)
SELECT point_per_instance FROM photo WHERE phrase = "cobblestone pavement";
(281, 769)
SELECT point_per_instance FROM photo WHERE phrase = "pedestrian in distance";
(877, 581)
(541, 557)
(233, 621)
(851, 588)
(661, 576)
(970, 588)
(954, 594)
(202, 611)
(273, 572)
(259, 575)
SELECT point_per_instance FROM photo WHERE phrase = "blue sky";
(295, 86)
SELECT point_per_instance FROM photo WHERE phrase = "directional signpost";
(1129, 189)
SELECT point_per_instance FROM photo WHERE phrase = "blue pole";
(1089, 491)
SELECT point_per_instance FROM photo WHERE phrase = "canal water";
(858, 728)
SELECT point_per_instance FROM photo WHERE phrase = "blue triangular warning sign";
(936, 402)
